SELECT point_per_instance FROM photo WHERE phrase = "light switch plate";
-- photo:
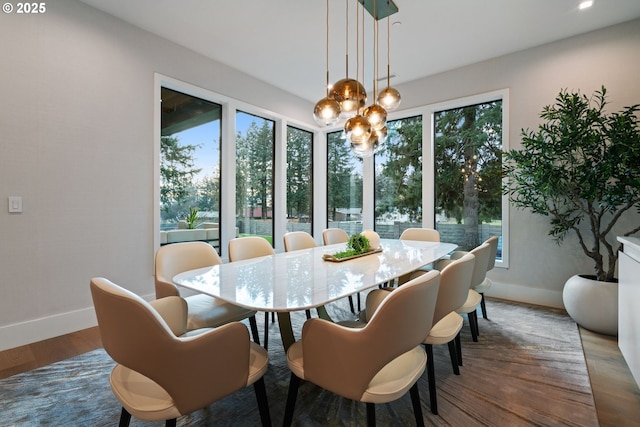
(15, 204)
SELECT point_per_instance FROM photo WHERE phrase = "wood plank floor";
(616, 395)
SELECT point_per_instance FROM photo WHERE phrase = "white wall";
(76, 142)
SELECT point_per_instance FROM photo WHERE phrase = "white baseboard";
(526, 294)
(18, 334)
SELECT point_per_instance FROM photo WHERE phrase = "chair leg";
(353, 310)
(125, 418)
(453, 355)
(459, 349)
(266, 330)
(359, 306)
(417, 408)
(254, 329)
(475, 322)
(431, 376)
(170, 423)
(294, 382)
(308, 313)
(263, 404)
(371, 414)
(273, 317)
(483, 307)
(474, 334)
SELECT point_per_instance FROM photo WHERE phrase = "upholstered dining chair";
(486, 283)
(296, 240)
(249, 247)
(204, 311)
(332, 236)
(373, 364)
(455, 281)
(474, 299)
(423, 235)
(161, 374)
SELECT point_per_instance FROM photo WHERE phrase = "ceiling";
(283, 42)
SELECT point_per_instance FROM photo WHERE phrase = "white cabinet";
(628, 304)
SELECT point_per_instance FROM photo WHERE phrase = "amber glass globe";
(326, 112)
(350, 94)
(376, 115)
(357, 129)
(372, 145)
(389, 98)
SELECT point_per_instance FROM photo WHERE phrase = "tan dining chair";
(374, 364)
(204, 311)
(162, 374)
(422, 235)
(486, 283)
(332, 236)
(455, 281)
(474, 299)
(249, 247)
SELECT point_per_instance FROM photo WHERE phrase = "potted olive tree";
(581, 168)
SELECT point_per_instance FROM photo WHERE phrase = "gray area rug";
(527, 369)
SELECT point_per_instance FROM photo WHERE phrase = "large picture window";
(299, 180)
(344, 185)
(189, 168)
(468, 197)
(398, 179)
(255, 142)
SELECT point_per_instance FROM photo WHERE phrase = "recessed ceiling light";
(585, 4)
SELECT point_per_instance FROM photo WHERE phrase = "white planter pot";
(592, 304)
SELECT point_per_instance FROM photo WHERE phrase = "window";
(468, 199)
(189, 166)
(344, 185)
(398, 179)
(299, 180)
(255, 143)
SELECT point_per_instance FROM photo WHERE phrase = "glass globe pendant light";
(389, 97)
(327, 111)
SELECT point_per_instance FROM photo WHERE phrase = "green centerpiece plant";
(358, 244)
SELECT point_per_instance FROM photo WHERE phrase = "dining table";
(302, 280)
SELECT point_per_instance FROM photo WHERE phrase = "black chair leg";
(475, 323)
(417, 408)
(453, 355)
(371, 414)
(353, 310)
(308, 313)
(431, 376)
(359, 306)
(483, 306)
(474, 333)
(294, 382)
(266, 330)
(459, 349)
(170, 423)
(263, 404)
(254, 329)
(125, 418)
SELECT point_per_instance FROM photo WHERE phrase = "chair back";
(249, 247)
(455, 282)
(482, 254)
(296, 240)
(179, 257)
(493, 242)
(422, 234)
(345, 360)
(331, 236)
(188, 369)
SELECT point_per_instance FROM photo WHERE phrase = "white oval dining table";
(302, 280)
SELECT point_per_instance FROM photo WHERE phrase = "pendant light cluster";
(365, 128)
